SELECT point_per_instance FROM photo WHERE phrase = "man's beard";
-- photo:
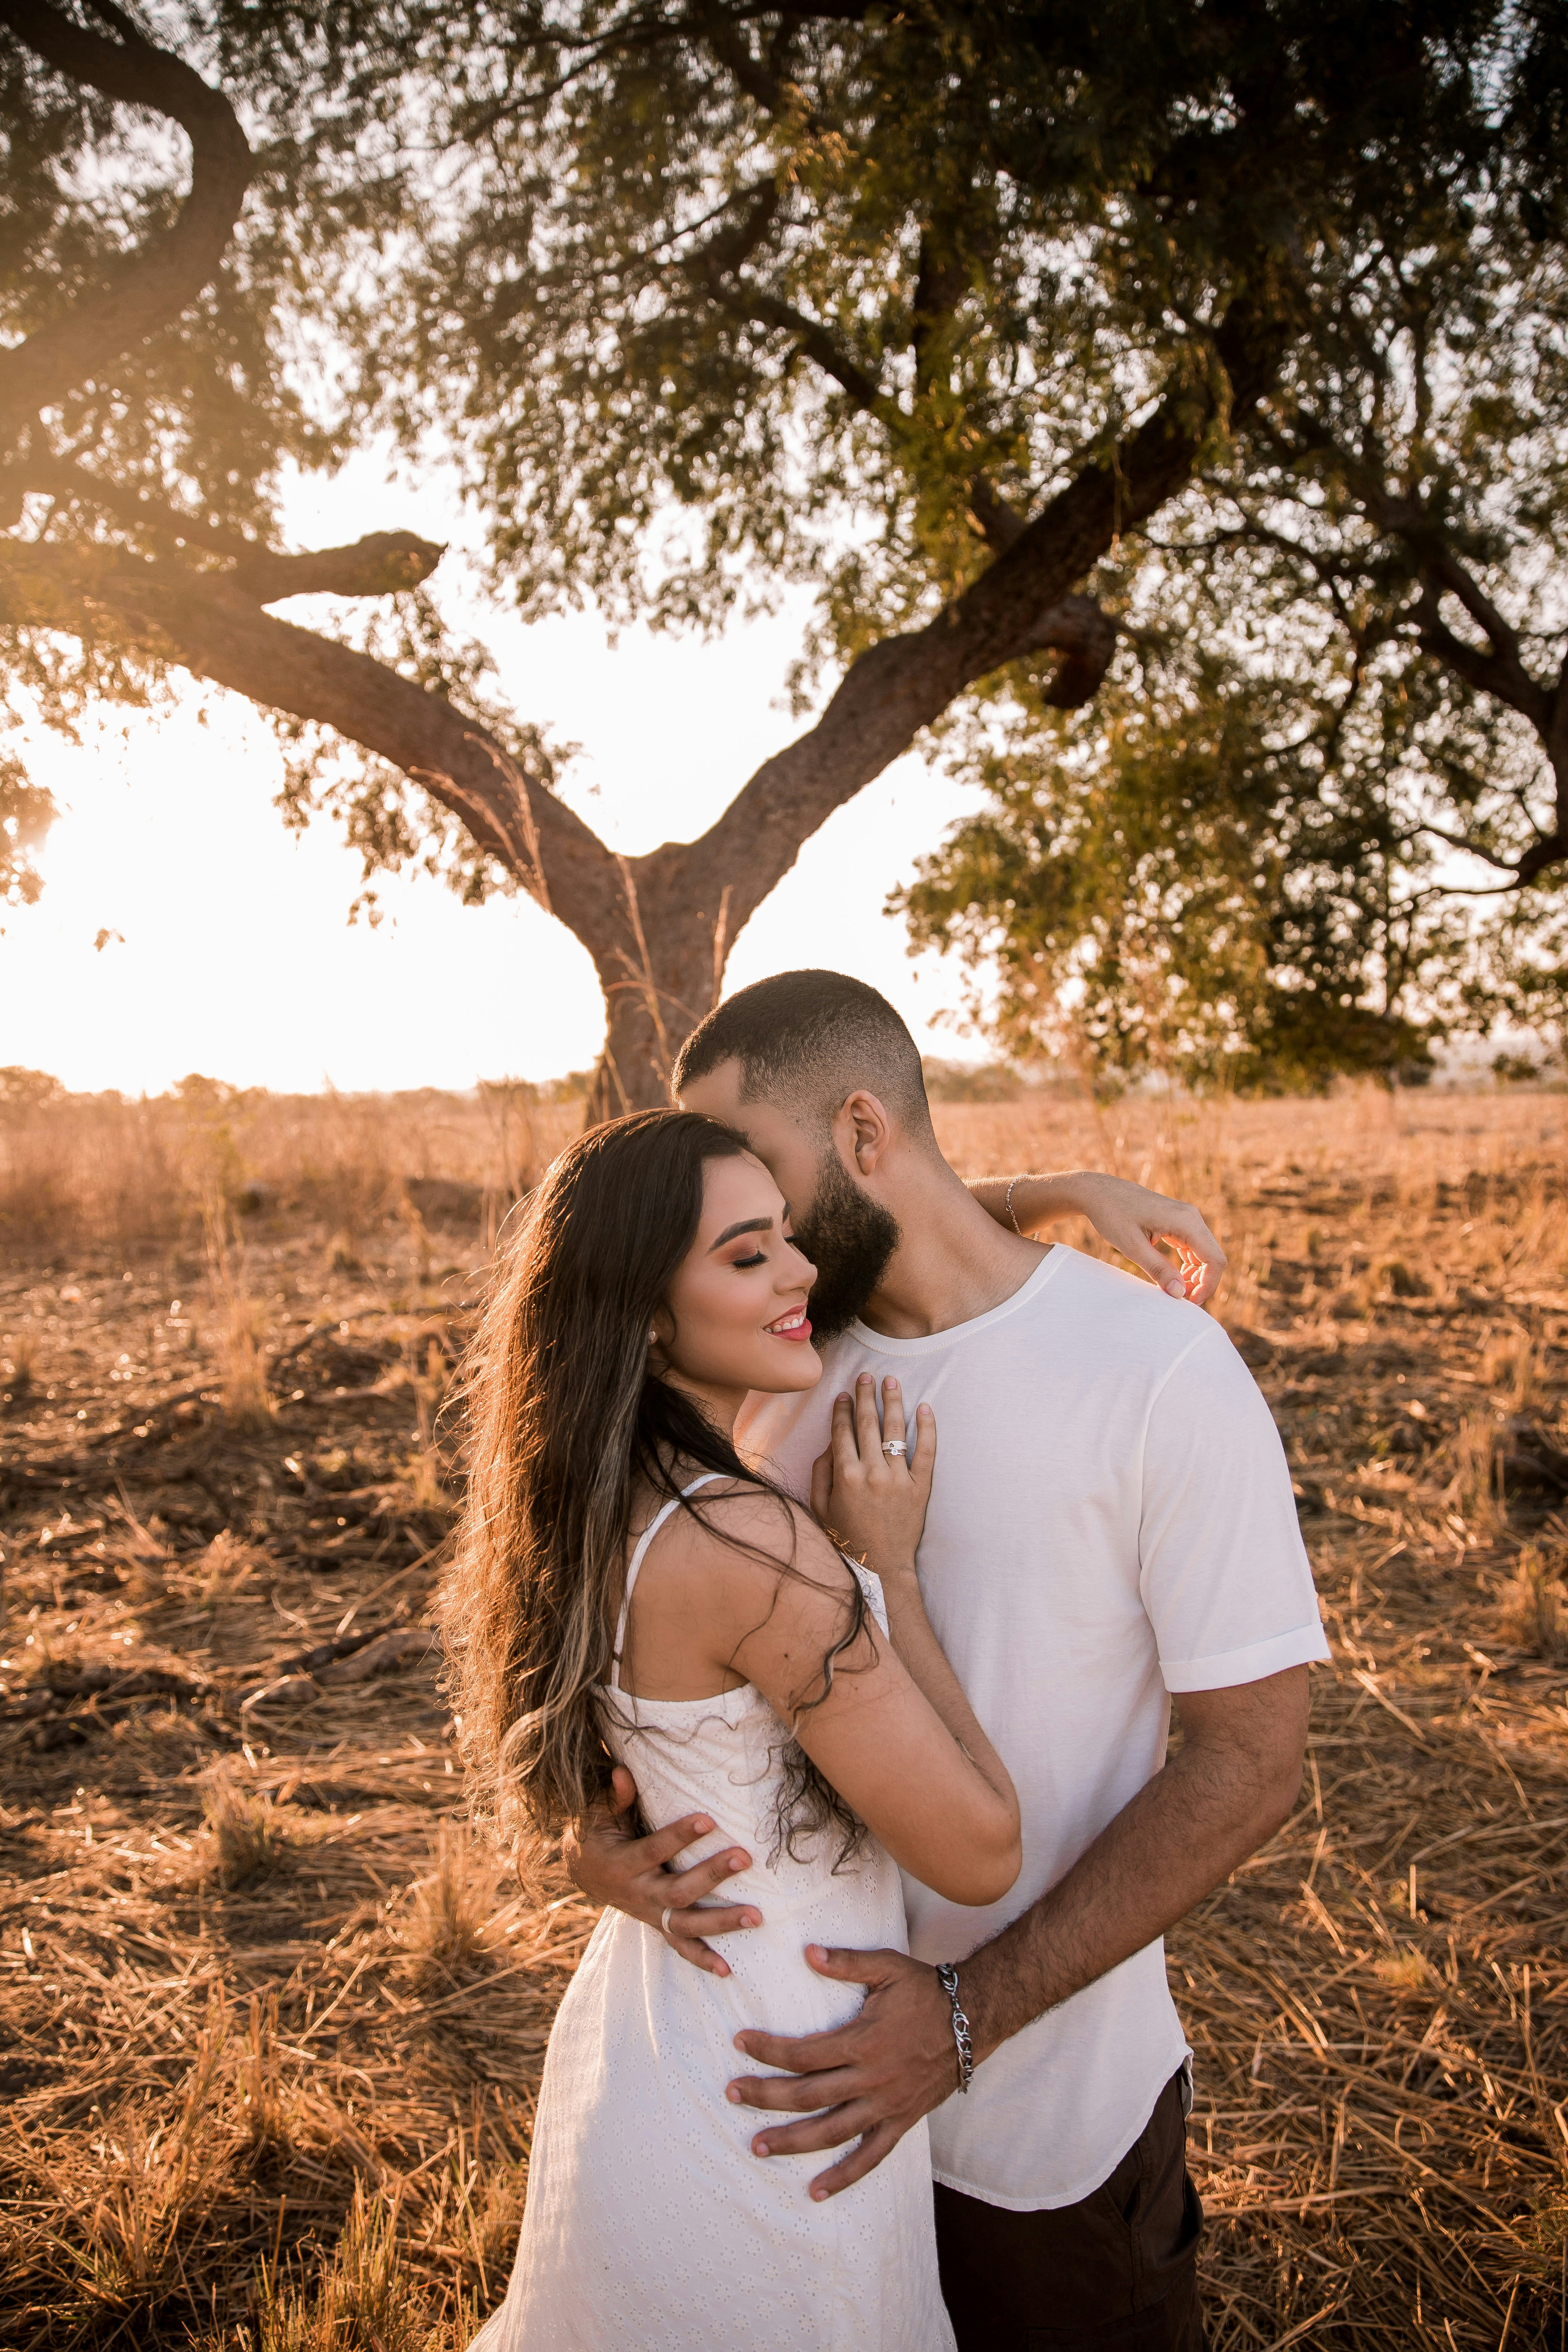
(848, 1238)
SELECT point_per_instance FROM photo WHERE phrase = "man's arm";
(1232, 1784)
(1129, 1216)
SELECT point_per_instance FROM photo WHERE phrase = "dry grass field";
(272, 2023)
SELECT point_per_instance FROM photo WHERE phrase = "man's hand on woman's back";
(638, 1876)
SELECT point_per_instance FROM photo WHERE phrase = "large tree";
(939, 310)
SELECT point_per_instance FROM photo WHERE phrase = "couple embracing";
(900, 1720)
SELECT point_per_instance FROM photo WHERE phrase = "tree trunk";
(661, 971)
(634, 1061)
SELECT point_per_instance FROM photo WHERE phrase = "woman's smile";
(793, 1326)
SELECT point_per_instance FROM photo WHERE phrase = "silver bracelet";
(947, 1977)
(1019, 1229)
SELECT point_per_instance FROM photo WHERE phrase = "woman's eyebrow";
(746, 1225)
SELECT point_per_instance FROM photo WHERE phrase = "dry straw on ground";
(274, 2023)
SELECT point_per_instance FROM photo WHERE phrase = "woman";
(628, 1590)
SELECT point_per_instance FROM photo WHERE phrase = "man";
(1112, 1528)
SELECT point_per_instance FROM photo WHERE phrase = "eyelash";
(740, 1263)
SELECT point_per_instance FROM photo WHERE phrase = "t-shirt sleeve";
(1224, 1573)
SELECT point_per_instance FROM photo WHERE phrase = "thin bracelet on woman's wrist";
(947, 1977)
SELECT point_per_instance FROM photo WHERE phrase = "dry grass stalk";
(419, 1234)
(524, 1133)
(491, 2203)
(250, 1834)
(1509, 1365)
(1241, 1303)
(1473, 1488)
(1533, 1608)
(242, 1373)
(267, 2109)
(20, 1363)
(343, 1253)
(227, 1564)
(246, 1404)
(446, 1929)
(363, 2302)
(151, 2177)
(429, 1368)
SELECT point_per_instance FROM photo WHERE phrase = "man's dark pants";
(1116, 2272)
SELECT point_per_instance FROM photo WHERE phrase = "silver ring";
(894, 1448)
(664, 1919)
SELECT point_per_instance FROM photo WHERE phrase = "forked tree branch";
(150, 290)
(742, 299)
(1497, 668)
(1022, 604)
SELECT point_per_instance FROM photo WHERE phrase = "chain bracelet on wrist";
(947, 1977)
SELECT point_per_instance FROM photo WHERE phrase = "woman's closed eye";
(760, 1257)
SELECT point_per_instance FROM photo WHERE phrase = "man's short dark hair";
(808, 1039)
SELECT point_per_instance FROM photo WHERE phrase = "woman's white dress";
(649, 2223)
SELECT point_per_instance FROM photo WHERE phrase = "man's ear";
(862, 1131)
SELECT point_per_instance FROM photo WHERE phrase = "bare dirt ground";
(273, 2024)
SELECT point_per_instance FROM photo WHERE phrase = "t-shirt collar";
(928, 1343)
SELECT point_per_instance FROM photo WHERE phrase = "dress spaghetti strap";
(644, 1540)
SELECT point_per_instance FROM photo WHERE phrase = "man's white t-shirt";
(1112, 1520)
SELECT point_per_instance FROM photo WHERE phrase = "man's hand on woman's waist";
(870, 2080)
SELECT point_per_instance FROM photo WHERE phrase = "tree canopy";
(1219, 344)
(1321, 818)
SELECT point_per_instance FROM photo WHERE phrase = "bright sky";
(235, 957)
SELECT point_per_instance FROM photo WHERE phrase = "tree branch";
(136, 510)
(717, 266)
(761, 81)
(151, 289)
(1551, 850)
(1557, 744)
(1502, 674)
(940, 283)
(743, 300)
(377, 565)
(380, 565)
(731, 248)
(998, 523)
(203, 623)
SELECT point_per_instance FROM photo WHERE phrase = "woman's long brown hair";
(567, 1420)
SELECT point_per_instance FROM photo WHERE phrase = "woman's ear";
(661, 1332)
